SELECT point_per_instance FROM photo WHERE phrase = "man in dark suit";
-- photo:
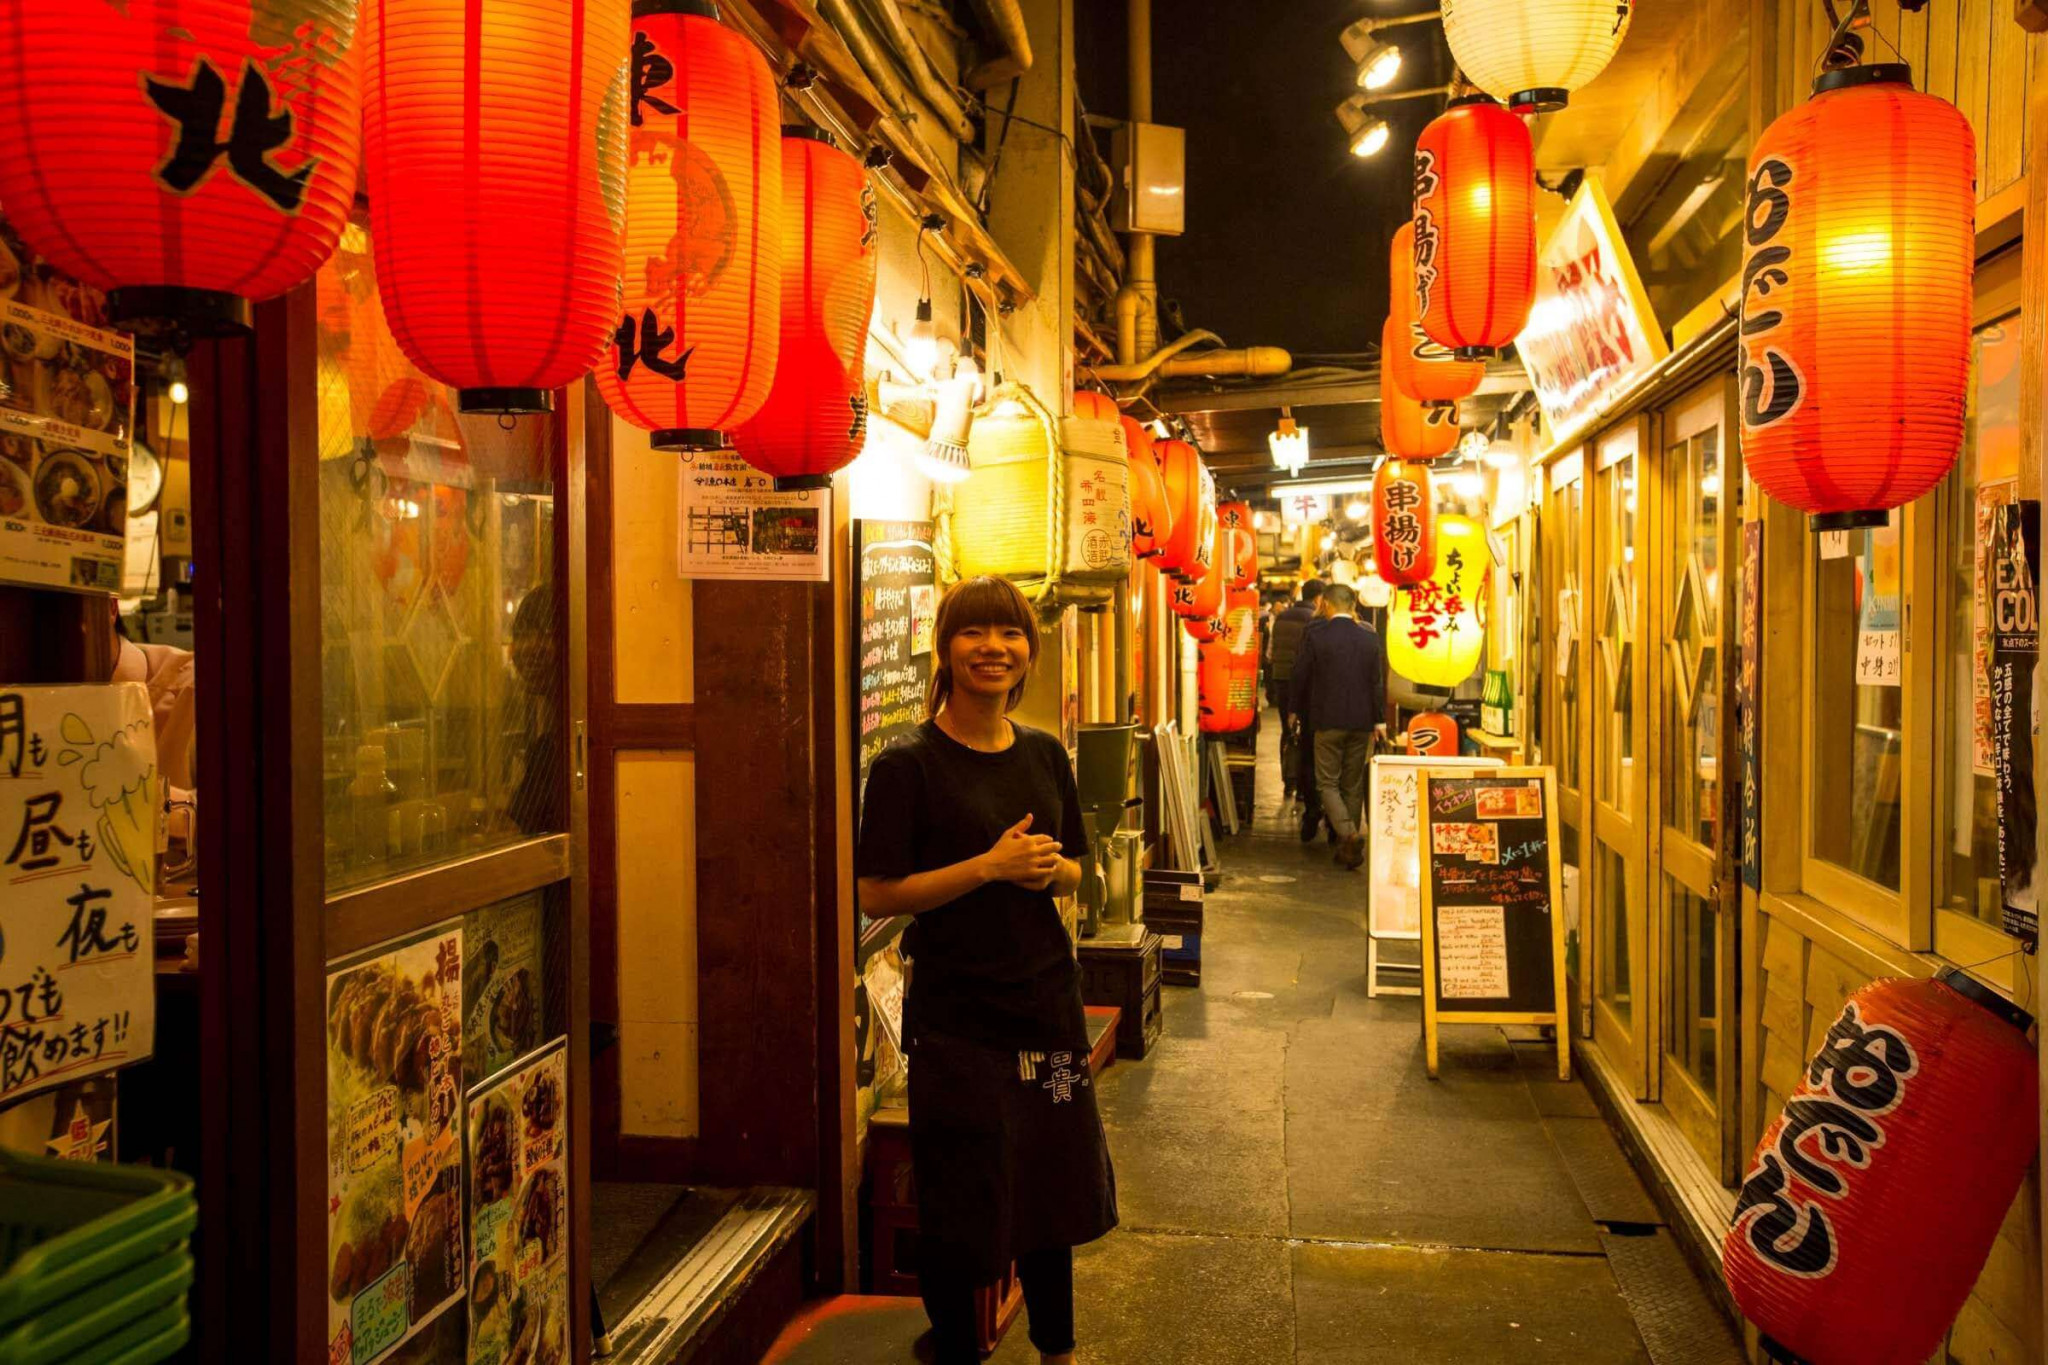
(1340, 690)
(1285, 644)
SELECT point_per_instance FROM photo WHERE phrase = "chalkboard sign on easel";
(1492, 921)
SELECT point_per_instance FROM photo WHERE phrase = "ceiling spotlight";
(1379, 66)
(1289, 443)
(1370, 136)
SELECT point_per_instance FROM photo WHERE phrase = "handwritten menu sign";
(897, 601)
(1492, 927)
(80, 802)
(1748, 716)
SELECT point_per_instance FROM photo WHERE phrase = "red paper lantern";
(1432, 733)
(186, 155)
(1403, 523)
(1409, 429)
(1875, 1195)
(1191, 494)
(694, 349)
(1418, 365)
(1201, 599)
(493, 147)
(1151, 513)
(1475, 227)
(1857, 296)
(1236, 517)
(1227, 676)
(816, 413)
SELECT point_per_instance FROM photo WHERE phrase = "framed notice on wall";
(1492, 921)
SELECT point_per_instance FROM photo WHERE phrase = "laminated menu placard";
(1492, 921)
(518, 1131)
(80, 802)
(731, 523)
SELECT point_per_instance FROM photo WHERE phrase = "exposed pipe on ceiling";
(917, 63)
(1005, 21)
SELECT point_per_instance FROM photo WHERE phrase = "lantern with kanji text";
(694, 347)
(816, 414)
(188, 156)
(1860, 239)
(1409, 428)
(1403, 522)
(1191, 494)
(1436, 629)
(1227, 675)
(1421, 367)
(1876, 1194)
(1432, 733)
(1236, 517)
(1475, 227)
(494, 140)
(1151, 513)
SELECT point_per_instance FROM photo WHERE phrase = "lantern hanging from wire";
(1409, 428)
(1432, 733)
(1860, 242)
(1227, 675)
(1403, 522)
(695, 345)
(815, 415)
(1419, 365)
(1151, 513)
(1475, 227)
(1436, 629)
(188, 156)
(1858, 1234)
(494, 139)
(1199, 603)
(1236, 519)
(1191, 493)
(1534, 53)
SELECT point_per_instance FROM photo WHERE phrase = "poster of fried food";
(67, 405)
(501, 986)
(519, 1213)
(394, 1147)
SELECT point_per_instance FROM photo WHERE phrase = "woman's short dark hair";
(984, 601)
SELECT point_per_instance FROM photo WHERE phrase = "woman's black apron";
(1008, 1152)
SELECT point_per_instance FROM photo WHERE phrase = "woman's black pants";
(1048, 1278)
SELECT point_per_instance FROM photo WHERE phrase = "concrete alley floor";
(1294, 1189)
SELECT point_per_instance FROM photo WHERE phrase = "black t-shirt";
(995, 966)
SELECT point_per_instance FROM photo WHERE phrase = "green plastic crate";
(94, 1266)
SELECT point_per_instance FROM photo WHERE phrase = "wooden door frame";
(1560, 735)
(267, 926)
(1685, 1099)
(1629, 1049)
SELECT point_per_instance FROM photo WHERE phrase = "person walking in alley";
(1340, 689)
(1287, 629)
(972, 825)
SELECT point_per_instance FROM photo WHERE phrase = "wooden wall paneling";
(1973, 71)
(1912, 41)
(1942, 21)
(2005, 118)
(838, 1177)
(757, 880)
(256, 633)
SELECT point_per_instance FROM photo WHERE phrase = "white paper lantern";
(1534, 53)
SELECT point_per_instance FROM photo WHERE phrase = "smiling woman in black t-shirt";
(972, 824)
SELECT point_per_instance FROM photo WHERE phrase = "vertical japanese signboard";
(394, 1144)
(2015, 645)
(1748, 716)
(80, 802)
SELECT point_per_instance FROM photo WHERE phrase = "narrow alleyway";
(1293, 1188)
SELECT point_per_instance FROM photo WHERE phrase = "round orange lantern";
(493, 144)
(1191, 497)
(1417, 364)
(186, 155)
(1201, 599)
(1859, 1233)
(694, 349)
(1410, 429)
(1475, 227)
(1236, 517)
(1403, 523)
(1151, 514)
(1856, 297)
(1227, 678)
(1432, 733)
(816, 412)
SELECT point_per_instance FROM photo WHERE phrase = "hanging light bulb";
(177, 390)
(1289, 443)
